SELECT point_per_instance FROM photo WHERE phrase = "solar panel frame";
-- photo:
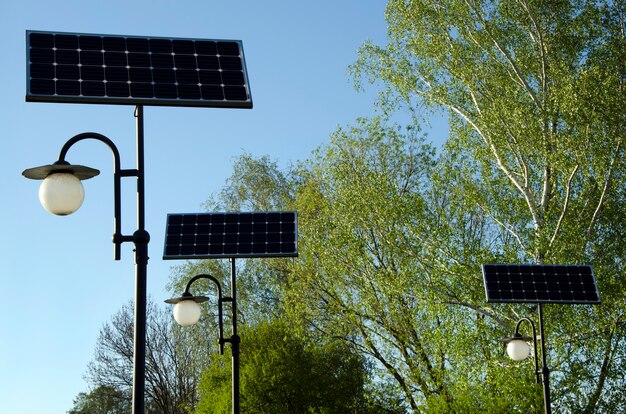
(135, 70)
(231, 235)
(520, 283)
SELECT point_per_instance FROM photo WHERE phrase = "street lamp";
(187, 312)
(518, 349)
(62, 193)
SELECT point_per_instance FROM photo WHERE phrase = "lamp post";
(518, 350)
(61, 193)
(187, 312)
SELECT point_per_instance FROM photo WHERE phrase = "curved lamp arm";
(118, 238)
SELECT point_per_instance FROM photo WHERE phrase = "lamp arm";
(118, 173)
(91, 135)
(532, 325)
(205, 276)
(220, 300)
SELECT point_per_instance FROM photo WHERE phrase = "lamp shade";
(187, 312)
(61, 193)
(518, 349)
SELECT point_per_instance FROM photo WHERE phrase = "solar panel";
(540, 283)
(133, 70)
(228, 235)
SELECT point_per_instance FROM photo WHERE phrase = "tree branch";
(604, 188)
(568, 187)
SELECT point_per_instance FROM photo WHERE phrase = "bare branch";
(505, 227)
(568, 187)
(605, 187)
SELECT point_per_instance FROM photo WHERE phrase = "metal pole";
(235, 338)
(140, 239)
(545, 372)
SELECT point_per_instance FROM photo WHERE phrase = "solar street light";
(518, 347)
(187, 307)
(61, 191)
(128, 70)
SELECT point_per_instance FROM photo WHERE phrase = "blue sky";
(59, 281)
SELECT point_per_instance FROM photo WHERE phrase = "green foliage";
(214, 388)
(521, 83)
(282, 372)
(101, 400)
(389, 261)
(255, 185)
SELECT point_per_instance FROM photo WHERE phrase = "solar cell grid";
(540, 283)
(219, 235)
(89, 68)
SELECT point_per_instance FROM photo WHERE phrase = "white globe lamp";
(61, 193)
(187, 312)
(517, 348)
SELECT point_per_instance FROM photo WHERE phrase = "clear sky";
(59, 281)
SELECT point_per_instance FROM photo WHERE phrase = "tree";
(283, 372)
(256, 184)
(101, 400)
(386, 251)
(173, 361)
